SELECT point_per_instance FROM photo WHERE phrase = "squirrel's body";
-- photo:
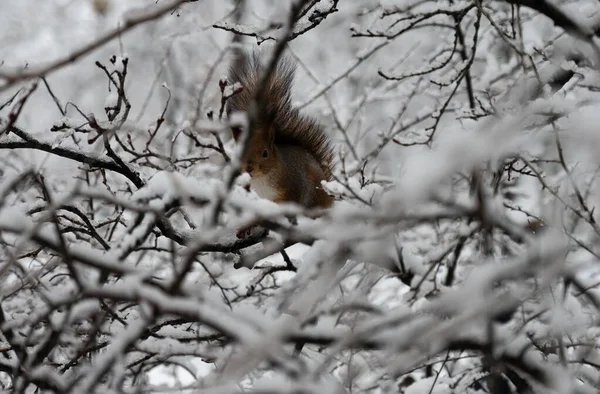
(289, 154)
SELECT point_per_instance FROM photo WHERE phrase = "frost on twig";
(461, 253)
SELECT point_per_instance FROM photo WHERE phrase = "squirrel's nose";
(249, 167)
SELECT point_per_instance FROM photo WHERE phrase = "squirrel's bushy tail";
(247, 69)
(276, 111)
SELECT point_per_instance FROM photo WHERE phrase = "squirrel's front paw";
(245, 231)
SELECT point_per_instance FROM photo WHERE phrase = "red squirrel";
(289, 154)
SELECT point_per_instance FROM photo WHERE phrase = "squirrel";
(289, 154)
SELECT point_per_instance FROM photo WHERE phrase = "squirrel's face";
(260, 157)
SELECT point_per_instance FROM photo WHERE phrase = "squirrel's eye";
(265, 153)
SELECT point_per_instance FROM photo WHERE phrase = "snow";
(111, 99)
(231, 89)
(427, 385)
(172, 184)
(423, 180)
(238, 119)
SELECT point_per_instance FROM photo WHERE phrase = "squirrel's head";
(260, 156)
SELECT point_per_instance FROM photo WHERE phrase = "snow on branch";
(461, 252)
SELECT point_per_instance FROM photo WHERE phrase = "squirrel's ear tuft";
(270, 134)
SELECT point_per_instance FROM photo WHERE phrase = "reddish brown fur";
(289, 154)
